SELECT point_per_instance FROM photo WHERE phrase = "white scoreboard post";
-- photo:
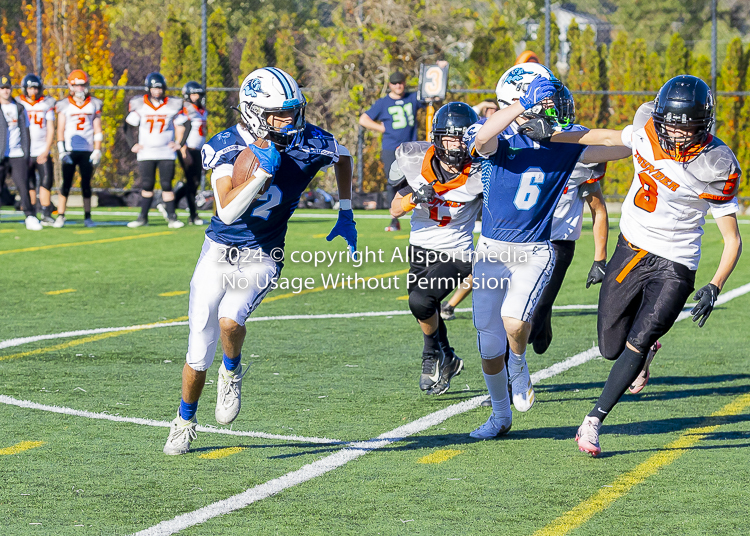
(433, 85)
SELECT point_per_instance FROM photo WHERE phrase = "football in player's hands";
(246, 165)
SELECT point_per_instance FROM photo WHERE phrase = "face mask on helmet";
(452, 120)
(453, 157)
(559, 110)
(680, 137)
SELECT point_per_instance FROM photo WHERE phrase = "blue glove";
(345, 228)
(539, 89)
(269, 158)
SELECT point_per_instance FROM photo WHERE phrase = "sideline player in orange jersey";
(681, 172)
(189, 155)
(79, 141)
(41, 111)
(153, 124)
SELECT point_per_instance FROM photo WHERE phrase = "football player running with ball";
(79, 142)
(523, 181)
(159, 122)
(41, 111)
(444, 195)
(245, 240)
(681, 172)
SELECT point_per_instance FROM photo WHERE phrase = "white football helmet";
(271, 90)
(516, 80)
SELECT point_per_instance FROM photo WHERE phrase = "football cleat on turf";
(195, 221)
(430, 369)
(229, 391)
(587, 436)
(181, 433)
(140, 222)
(175, 224)
(47, 221)
(450, 369)
(59, 222)
(33, 224)
(394, 226)
(88, 222)
(642, 379)
(494, 427)
(447, 312)
(521, 389)
(162, 208)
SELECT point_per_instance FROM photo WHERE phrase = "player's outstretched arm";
(600, 219)
(345, 226)
(598, 136)
(595, 154)
(706, 296)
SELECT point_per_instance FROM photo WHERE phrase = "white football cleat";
(494, 427)
(587, 436)
(521, 387)
(137, 223)
(175, 224)
(59, 222)
(181, 433)
(229, 391)
(33, 224)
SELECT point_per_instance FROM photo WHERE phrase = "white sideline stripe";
(160, 424)
(329, 216)
(356, 450)
(9, 343)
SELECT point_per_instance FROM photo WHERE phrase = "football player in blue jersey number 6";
(243, 251)
(522, 181)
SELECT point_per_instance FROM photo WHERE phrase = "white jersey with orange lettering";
(198, 118)
(666, 206)
(446, 223)
(79, 122)
(568, 218)
(40, 112)
(155, 126)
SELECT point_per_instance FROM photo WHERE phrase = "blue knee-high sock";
(231, 363)
(187, 411)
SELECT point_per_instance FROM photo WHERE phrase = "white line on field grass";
(10, 343)
(355, 450)
(161, 424)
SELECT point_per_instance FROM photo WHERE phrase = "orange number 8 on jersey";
(647, 196)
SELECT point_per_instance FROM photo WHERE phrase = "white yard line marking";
(10, 343)
(160, 424)
(356, 450)
(329, 216)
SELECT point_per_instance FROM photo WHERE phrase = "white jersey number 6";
(528, 191)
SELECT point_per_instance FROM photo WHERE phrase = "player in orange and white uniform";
(444, 194)
(681, 172)
(41, 112)
(152, 125)
(189, 155)
(79, 141)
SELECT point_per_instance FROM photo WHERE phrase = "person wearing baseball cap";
(394, 116)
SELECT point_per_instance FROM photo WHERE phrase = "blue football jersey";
(263, 225)
(523, 181)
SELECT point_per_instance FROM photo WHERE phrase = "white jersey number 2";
(528, 190)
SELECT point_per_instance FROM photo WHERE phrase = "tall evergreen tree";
(676, 58)
(728, 108)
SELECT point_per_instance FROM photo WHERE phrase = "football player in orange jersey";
(681, 172)
(189, 154)
(79, 141)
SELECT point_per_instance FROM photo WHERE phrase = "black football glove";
(596, 274)
(706, 297)
(425, 194)
(538, 129)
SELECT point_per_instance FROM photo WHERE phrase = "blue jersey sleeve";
(222, 149)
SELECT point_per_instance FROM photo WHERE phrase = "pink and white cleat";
(642, 379)
(587, 436)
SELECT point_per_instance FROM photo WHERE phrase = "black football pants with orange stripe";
(641, 297)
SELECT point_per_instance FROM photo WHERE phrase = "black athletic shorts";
(430, 280)
(641, 297)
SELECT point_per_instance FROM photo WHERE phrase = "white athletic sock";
(516, 361)
(497, 384)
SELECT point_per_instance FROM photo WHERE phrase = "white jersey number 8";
(528, 190)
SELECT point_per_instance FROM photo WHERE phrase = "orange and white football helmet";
(78, 77)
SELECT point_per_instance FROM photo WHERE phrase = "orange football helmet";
(527, 56)
(78, 77)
